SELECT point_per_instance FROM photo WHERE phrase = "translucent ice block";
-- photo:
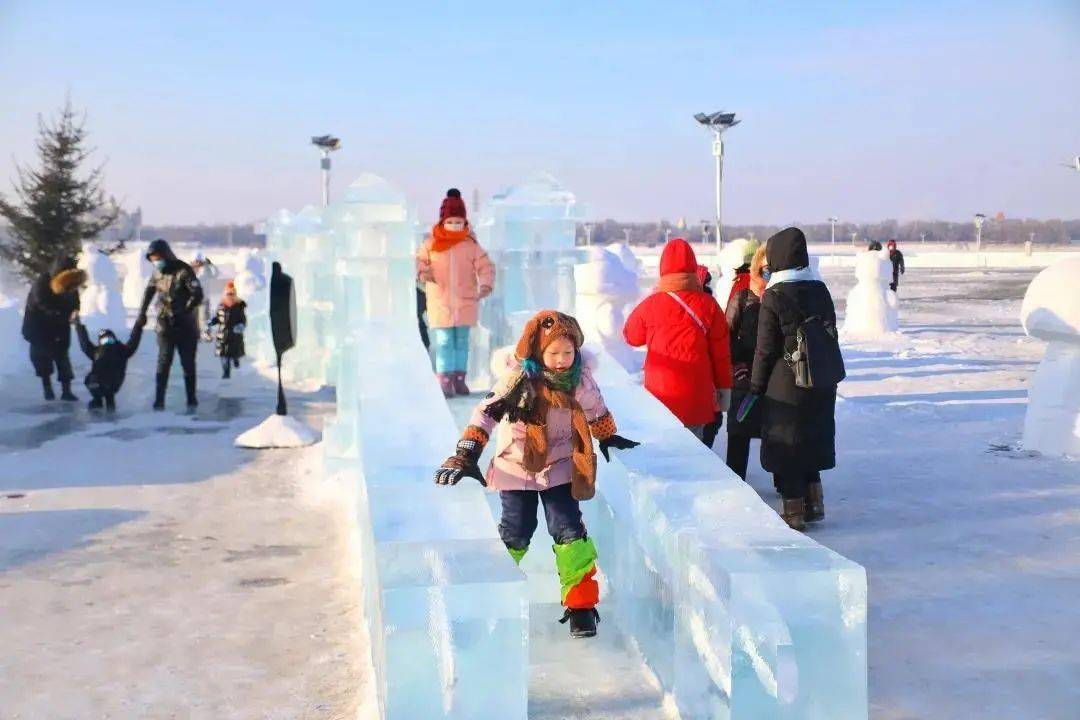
(737, 615)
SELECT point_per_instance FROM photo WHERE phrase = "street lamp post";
(588, 234)
(854, 237)
(717, 123)
(832, 236)
(326, 144)
(979, 220)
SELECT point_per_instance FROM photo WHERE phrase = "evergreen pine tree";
(54, 210)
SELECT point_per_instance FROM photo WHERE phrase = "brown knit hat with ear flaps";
(543, 329)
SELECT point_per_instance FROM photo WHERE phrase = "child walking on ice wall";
(549, 409)
(457, 274)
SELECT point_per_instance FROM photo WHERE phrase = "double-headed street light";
(717, 123)
(979, 220)
(326, 144)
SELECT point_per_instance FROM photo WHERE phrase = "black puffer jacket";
(230, 323)
(109, 360)
(178, 291)
(742, 316)
(798, 426)
(47, 317)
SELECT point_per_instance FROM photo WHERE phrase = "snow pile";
(13, 351)
(606, 289)
(136, 278)
(871, 306)
(1051, 312)
(278, 431)
(101, 300)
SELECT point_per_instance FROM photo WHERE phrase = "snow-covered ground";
(149, 569)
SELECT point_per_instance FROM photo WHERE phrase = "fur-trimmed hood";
(67, 281)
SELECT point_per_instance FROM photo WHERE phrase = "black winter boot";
(65, 391)
(815, 502)
(110, 403)
(95, 403)
(582, 622)
(162, 383)
(46, 385)
(189, 388)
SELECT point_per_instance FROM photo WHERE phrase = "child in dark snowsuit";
(230, 321)
(109, 360)
(549, 410)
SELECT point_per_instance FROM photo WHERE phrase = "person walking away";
(230, 321)
(742, 310)
(108, 362)
(897, 259)
(687, 360)
(457, 274)
(180, 295)
(50, 305)
(798, 424)
(549, 410)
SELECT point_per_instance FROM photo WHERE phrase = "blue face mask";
(766, 274)
(159, 264)
(108, 340)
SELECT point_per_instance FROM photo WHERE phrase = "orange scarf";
(674, 282)
(443, 239)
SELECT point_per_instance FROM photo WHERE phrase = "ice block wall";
(445, 605)
(738, 616)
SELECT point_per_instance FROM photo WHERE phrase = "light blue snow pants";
(451, 348)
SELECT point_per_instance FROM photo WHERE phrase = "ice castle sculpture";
(872, 310)
(736, 615)
(1051, 312)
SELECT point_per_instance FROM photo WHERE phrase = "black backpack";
(816, 360)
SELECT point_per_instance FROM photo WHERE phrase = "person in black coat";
(109, 359)
(53, 300)
(798, 425)
(230, 321)
(742, 316)
(897, 259)
(179, 297)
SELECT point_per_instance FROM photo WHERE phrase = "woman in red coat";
(688, 358)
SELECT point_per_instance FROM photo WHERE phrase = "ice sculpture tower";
(1051, 312)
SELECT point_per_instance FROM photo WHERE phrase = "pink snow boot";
(459, 384)
(446, 382)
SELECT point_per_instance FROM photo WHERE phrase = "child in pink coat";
(457, 274)
(549, 409)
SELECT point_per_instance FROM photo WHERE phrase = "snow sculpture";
(101, 300)
(137, 271)
(606, 290)
(1051, 312)
(871, 306)
(629, 260)
(13, 350)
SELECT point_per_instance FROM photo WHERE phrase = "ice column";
(445, 605)
(871, 306)
(529, 231)
(738, 616)
(1051, 312)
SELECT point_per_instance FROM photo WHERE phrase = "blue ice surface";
(737, 615)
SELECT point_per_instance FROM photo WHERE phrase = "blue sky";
(866, 110)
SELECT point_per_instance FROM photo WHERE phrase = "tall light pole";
(832, 235)
(326, 144)
(854, 237)
(588, 234)
(717, 123)
(979, 220)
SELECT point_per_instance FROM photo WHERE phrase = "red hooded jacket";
(685, 363)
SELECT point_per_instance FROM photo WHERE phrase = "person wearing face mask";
(457, 274)
(179, 295)
(109, 360)
(229, 320)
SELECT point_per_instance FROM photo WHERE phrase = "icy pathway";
(594, 679)
(148, 569)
